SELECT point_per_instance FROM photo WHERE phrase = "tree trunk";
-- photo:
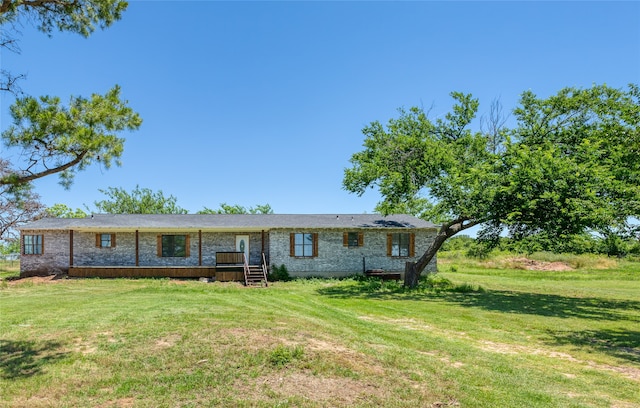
(413, 270)
(411, 275)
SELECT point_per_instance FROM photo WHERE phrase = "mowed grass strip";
(492, 337)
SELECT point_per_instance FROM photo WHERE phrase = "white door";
(242, 245)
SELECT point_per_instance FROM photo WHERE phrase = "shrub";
(279, 273)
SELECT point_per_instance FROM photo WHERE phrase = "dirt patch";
(533, 265)
(36, 280)
(119, 403)
(629, 372)
(332, 391)
(327, 350)
(167, 342)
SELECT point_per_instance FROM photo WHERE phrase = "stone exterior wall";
(54, 258)
(333, 258)
(336, 260)
(86, 254)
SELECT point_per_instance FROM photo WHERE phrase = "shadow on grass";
(20, 359)
(620, 343)
(500, 301)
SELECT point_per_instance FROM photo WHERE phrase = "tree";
(238, 209)
(138, 201)
(18, 204)
(56, 139)
(571, 164)
(48, 137)
(62, 211)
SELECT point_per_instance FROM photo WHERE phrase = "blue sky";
(263, 102)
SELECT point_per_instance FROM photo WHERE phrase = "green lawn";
(490, 338)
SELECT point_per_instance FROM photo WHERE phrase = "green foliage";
(279, 273)
(238, 209)
(59, 210)
(457, 243)
(138, 201)
(78, 16)
(571, 165)
(281, 355)
(11, 246)
(64, 140)
(51, 138)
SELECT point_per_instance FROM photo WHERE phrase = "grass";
(9, 269)
(476, 336)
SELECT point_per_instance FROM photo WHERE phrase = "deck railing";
(264, 269)
(229, 258)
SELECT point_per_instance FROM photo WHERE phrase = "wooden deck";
(219, 274)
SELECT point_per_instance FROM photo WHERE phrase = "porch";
(230, 266)
(222, 274)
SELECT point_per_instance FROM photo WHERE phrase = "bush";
(279, 273)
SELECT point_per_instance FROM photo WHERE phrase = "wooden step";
(255, 276)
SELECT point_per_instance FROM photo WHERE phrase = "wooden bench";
(379, 273)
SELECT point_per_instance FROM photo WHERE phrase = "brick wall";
(54, 258)
(334, 259)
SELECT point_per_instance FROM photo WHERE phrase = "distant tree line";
(610, 245)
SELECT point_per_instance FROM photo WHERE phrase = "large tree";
(138, 201)
(46, 136)
(570, 164)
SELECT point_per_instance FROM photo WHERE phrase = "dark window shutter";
(98, 241)
(389, 243)
(315, 244)
(345, 239)
(187, 243)
(42, 241)
(412, 244)
(113, 240)
(292, 244)
(159, 247)
(360, 239)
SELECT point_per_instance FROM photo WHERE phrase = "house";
(219, 246)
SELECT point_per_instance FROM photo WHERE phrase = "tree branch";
(14, 178)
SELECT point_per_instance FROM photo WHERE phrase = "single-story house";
(219, 245)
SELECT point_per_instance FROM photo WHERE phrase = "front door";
(242, 245)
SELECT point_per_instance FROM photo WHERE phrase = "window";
(401, 244)
(353, 239)
(304, 244)
(33, 244)
(105, 240)
(175, 246)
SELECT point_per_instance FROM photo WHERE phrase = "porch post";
(266, 256)
(70, 248)
(137, 252)
(199, 247)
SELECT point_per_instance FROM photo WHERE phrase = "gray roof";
(228, 222)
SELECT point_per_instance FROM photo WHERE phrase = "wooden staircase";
(255, 275)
